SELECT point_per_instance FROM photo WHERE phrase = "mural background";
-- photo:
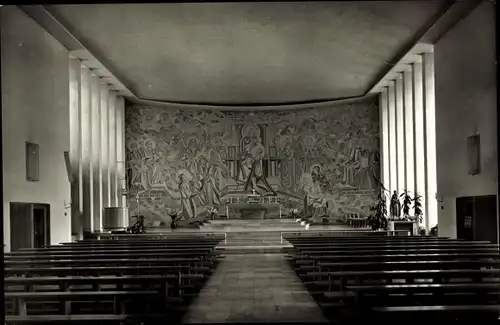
(186, 161)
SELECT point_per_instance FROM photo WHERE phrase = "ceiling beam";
(423, 41)
(76, 49)
(322, 104)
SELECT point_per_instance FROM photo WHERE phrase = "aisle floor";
(254, 288)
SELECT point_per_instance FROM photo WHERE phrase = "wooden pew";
(358, 238)
(131, 254)
(361, 246)
(118, 247)
(68, 319)
(313, 258)
(164, 271)
(378, 251)
(349, 267)
(140, 242)
(86, 250)
(470, 314)
(65, 283)
(337, 280)
(379, 294)
(171, 286)
(118, 297)
(104, 261)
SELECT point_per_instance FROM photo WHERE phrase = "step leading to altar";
(259, 236)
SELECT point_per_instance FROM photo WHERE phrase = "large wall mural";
(322, 160)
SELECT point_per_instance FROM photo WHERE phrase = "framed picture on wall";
(473, 155)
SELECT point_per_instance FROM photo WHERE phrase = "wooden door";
(465, 218)
(41, 226)
(20, 226)
(485, 215)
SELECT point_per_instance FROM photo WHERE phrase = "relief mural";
(321, 160)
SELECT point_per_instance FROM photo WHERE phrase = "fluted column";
(96, 152)
(74, 150)
(430, 137)
(112, 149)
(391, 98)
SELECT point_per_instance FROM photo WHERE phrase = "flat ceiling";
(248, 53)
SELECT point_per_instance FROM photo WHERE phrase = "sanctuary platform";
(253, 236)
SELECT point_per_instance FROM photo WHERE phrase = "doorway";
(477, 218)
(29, 225)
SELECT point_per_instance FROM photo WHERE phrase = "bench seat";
(491, 308)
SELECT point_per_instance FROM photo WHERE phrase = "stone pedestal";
(410, 226)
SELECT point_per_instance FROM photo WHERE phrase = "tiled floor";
(254, 288)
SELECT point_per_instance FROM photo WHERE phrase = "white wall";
(35, 72)
(465, 104)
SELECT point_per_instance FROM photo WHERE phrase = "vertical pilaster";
(104, 146)
(384, 146)
(96, 152)
(393, 167)
(420, 159)
(74, 150)
(400, 134)
(85, 149)
(409, 129)
(384, 136)
(120, 149)
(430, 144)
(112, 149)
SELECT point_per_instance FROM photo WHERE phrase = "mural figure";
(352, 167)
(256, 178)
(188, 206)
(133, 168)
(316, 204)
(248, 133)
(365, 178)
(319, 178)
(210, 188)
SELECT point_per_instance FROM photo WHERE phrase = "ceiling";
(249, 53)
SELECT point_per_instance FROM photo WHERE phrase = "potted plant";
(417, 208)
(378, 213)
(405, 196)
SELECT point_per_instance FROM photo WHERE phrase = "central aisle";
(254, 288)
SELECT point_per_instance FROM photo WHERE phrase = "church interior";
(249, 162)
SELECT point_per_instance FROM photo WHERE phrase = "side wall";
(35, 102)
(466, 103)
(328, 155)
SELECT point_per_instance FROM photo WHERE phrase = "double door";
(29, 225)
(477, 218)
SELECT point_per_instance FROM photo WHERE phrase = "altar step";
(256, 249)
(252, 225)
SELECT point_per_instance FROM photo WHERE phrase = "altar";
(253, 206)
(400, 225)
